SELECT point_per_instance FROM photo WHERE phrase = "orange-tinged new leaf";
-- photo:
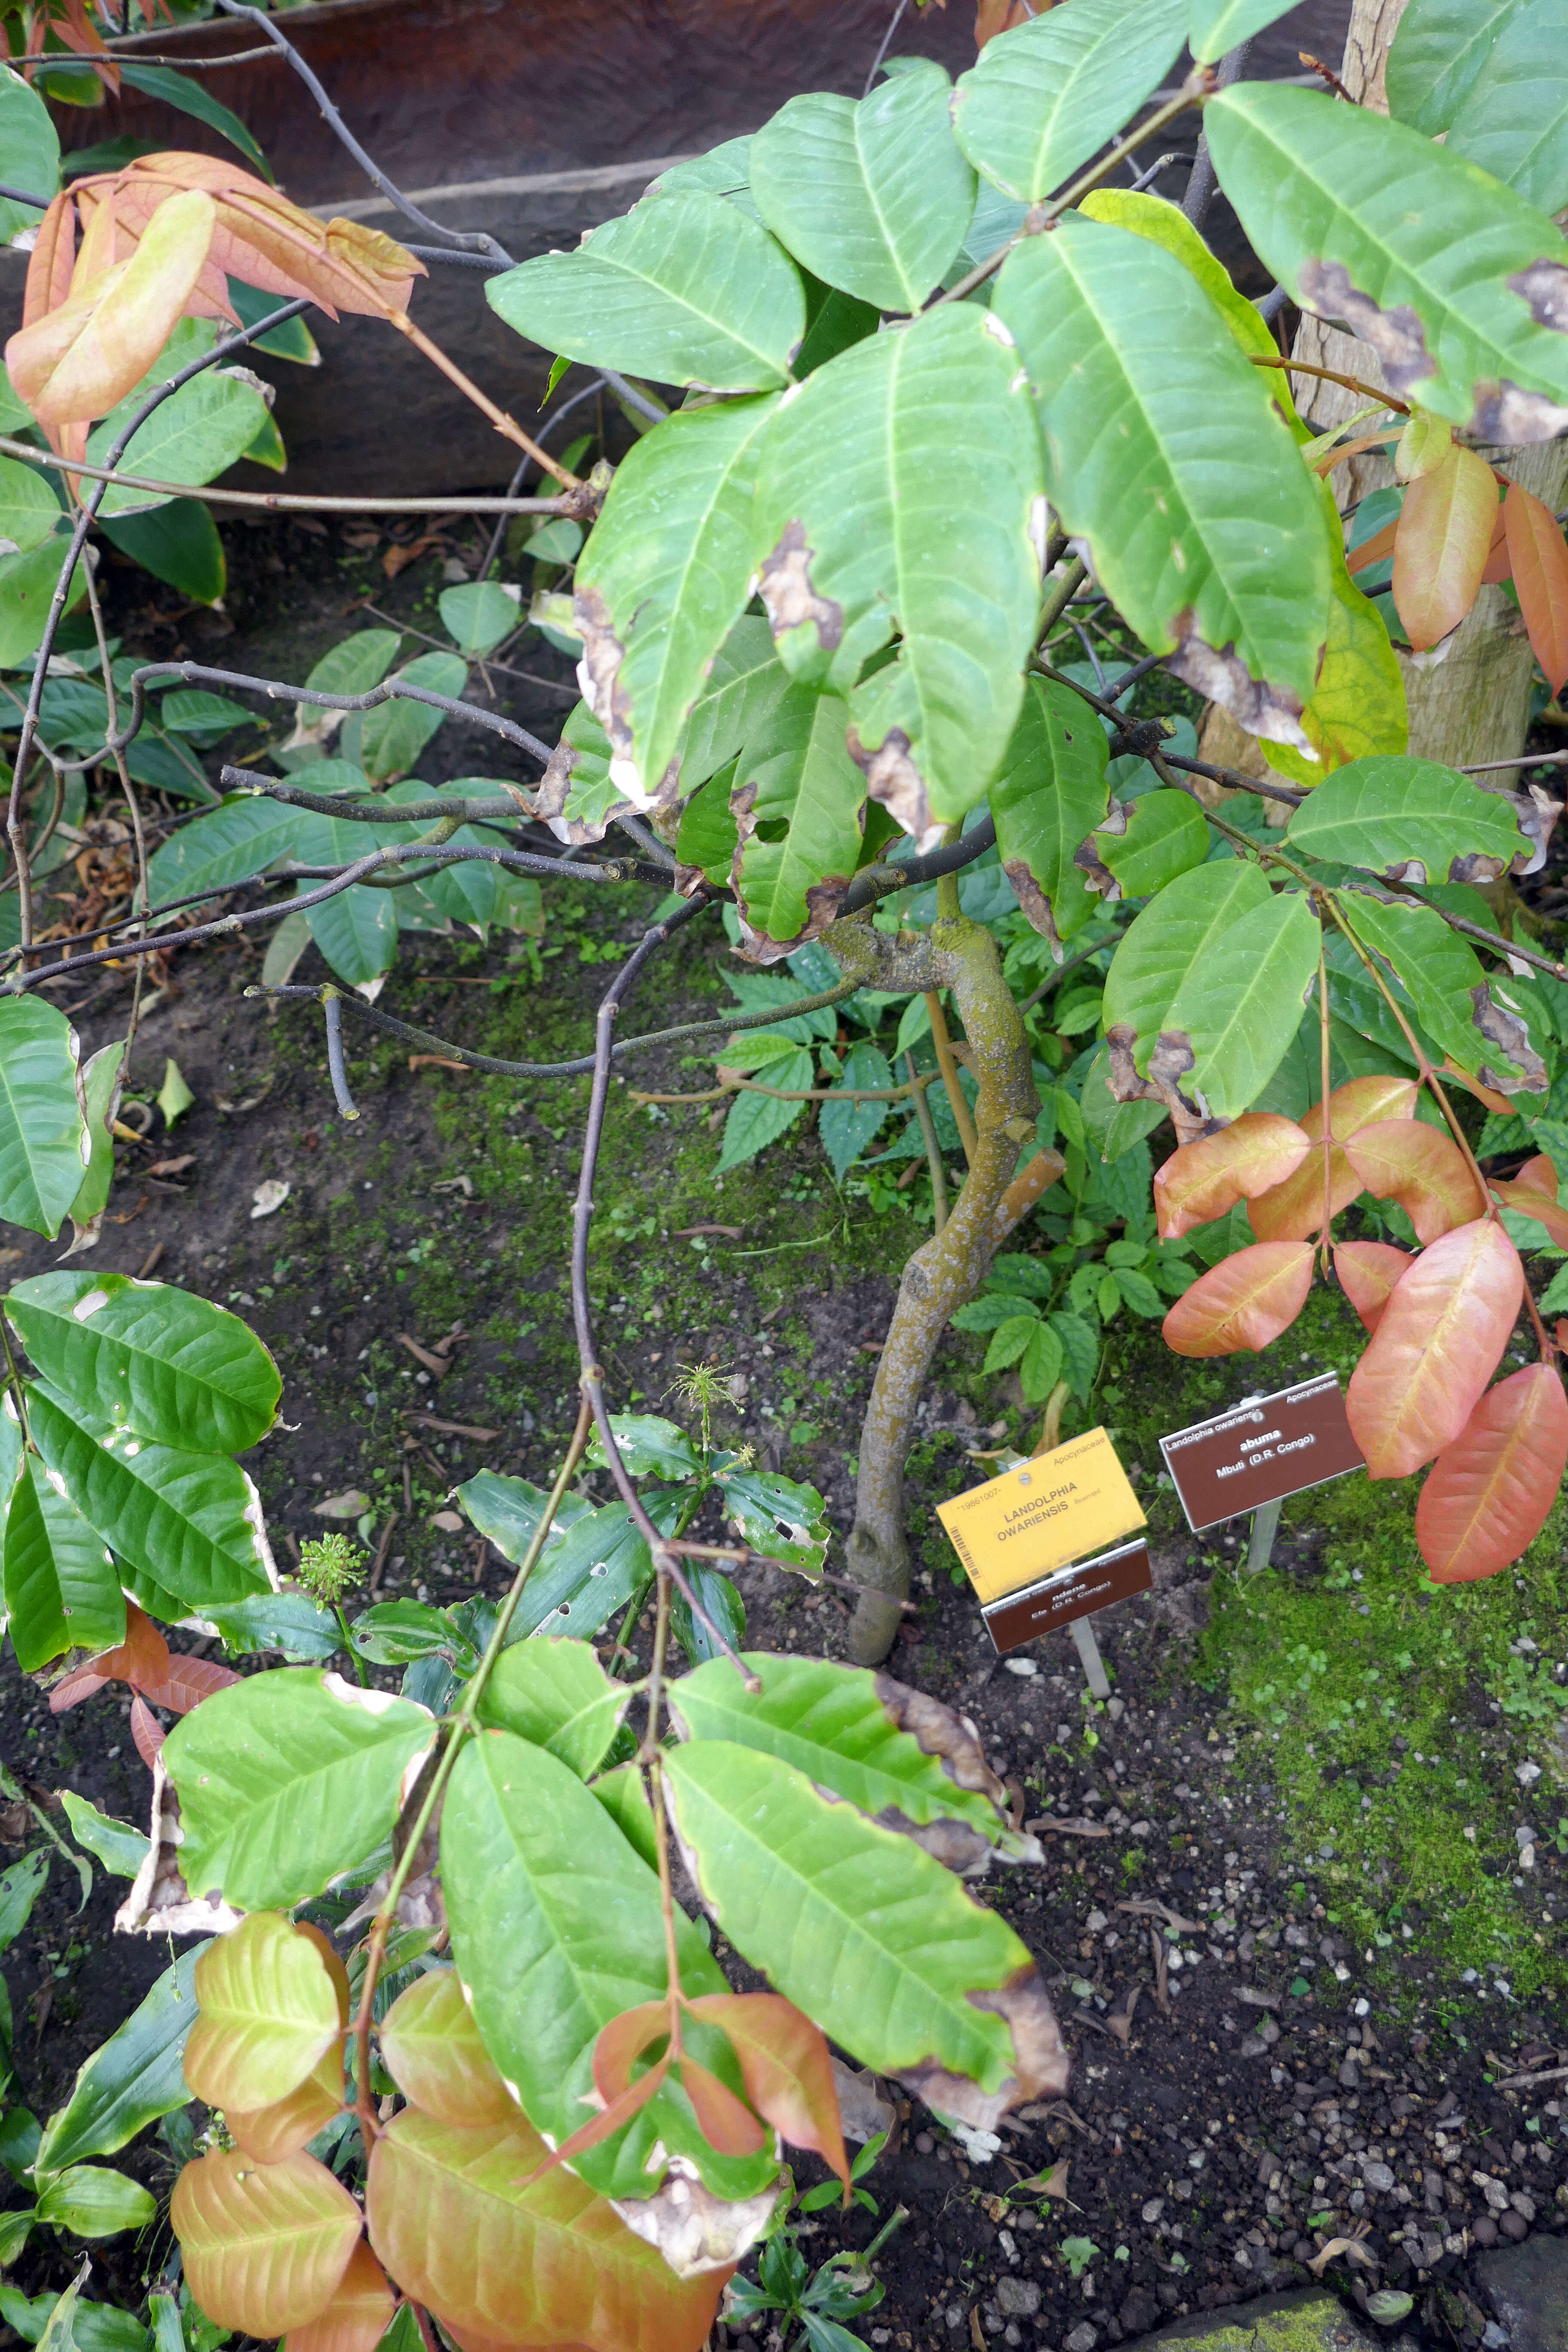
(1375, 549)
(1533, 1192)
(1498, 565)
(1368, 1272)
(358, 2315)
(1295, 1209)
(429, 2041)
(1539, 563)
(1489, 1492)
(1446, 1325)
(727, 2123)
(52, 262)
(81, 359)
(186, 1681)
(267, 2010)
(623, 2041)
(146, 1731)
(272, 2133)
(1202, 1179)
(786, 2067)
(1244, 1301)
(548, 2263)
(1445, 537)
(265, 2246)
(1422, 1170)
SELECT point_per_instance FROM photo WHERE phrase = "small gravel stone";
(1513, 2225)
(1378, 2177)
(1154, 2208)
(923, 2142)
(1083, 2338)
(1018, 2297)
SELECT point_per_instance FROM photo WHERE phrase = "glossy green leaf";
(507, 1510)
(1357, 709)
(101, 1090)
(395, 732)
(720, 172)
(848, 1128)
(286, 1779)
(353, 666)
(1455, 1001)
(291, 341)
(556, 1928)
(553, 1692)
(287, 1622)
(44, 1148)
(1455, 280)
(719, 1599)
(115, 1844)
(192, 710)
(1217, 26)
(707, 838)
(1009, 1339)
(357, 930)
(685, 290)
(898, 490)
(873, 197)
(600, 1565)
(746, 680)
(190, 95)
(27, 585)
(67, 2324)
(91, 2200)
(1438, 50)
(1410, 821)
(130, 2080)
(29, 506)
(1163, 833)
(1047, 95)
(854, 1924)
(197, 433)
(1221, 552)
(395, 1632)
(1513, 122)
(478, 616)
(1040, 1367)
(1051, 792)
(1212, 976)
(781, 1517)
(61, 1588)
(148, 1357)
(624, 1797)
(798, 799)
(843, 1727)
(664, 579)
(176, 540)
(193, 1521)
(29, 156)
(20, 1887)
(649, 1446)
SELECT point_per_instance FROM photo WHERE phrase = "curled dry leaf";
(160, 1902)
(1488, 1493)
(265, 2245)
(1295, 1209)
(430, 2043)
(1368, 1272)
(1420, 1168)
(1244, 1301)
(358, 2315)
(1446, 1325)
(266, 2012)
(1533, 1192)
(1202, 1181)
(1042, 2066)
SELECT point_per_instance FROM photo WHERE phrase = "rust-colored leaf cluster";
(158, 1677)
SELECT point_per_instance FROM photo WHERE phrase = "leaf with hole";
(1045, 97)
(1489, 1491)
(147, 1356)
(784, 1517)
(1426, 1366)
(265, 2246)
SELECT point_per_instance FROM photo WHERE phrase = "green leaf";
(756, 1121)
(1452, 275)
(781, 1517)
(1224, 556)
(556, 1928)
(99, 1087)
(479, 615)
(291, 341)
(1008, 1342)
(395, 732)
(61, 1588)
(650, 1448)
(1041, 1365)
(1220, 25)
(1409, 821)
(842, 1726)
(175, 1096)
(1111, 1127)
(507, 1510)
(683, 290)
(192, 1521)
(1051, 792)
(44, 1146)
(20, 1887)
(192, 710)
(64, 2324)
(176, 540)
(29, 156)
(287, 1779)
(242, 837)
(717, 1596)
(601, 1564)
(119, 1847)
(798, 799)
(1163, 833)
(1214, 973)
(854, 1924)
(707, 838)
(130, 2080)
(150, 1358)
(1357, 709)
(898, 488)
(92, 2202)
(395, 1632)
(192, 96)
(354, 665)
(720, 172)
(1080, 1353)
(1514, 120)
(1138, 1292)
(287, 1622)
(847, 1129)
(984, 1314)
(746, 680)
(1020, 1276)
(553, 1692)
(1046, 96)
(1439, 50)
(625, 1798)
(198, 432)
(1455, 1001)
(665, 579)
(873, 197)
(29, 506)
(27, 585)
(15, 2228)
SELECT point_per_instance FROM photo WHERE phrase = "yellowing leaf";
(1427, 1364)
(1358, 706)
(268, 2011)
(432, 2045)
(358, 2315)
(1421, 1169)
(265, 2246)
(1295, 1209)
(269, 2134)
(79, 360)
(1489, 1492)
(1445, 537)
(1245, 1301)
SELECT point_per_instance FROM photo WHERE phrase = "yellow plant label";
(1056, 1508)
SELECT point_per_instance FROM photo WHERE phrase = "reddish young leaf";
(79, 360)
(1375, 549)
(269, 2134)
(145, 1731)
(1368, 1272)
(727, 2123)
(83, 1684)
(786, 2067)
(623, 2041)
(1244, 1301)
(1202, 1179)
(1295, 1209)
(1451, 1075)
(1420, 1168)
(1499, 563)
(265, 2246)
(187, 1682)
(432, 2045)
(1489, 1492)
(1446, 1325)
(1445, 537)
(607, 2121)
(358, 2315)
(1540, 562)
(1533, 1192)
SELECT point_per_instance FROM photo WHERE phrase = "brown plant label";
(1261, 1451)
(1072, 1592)
(1039, 1517)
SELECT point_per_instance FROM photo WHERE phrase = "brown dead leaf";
(398, 559)
(426, 1356)
(975, 2337)
(15, 1825)
(173, 1167)
(691, 1233)
(1162, 1970)
(451, 1428)
(435, 1062)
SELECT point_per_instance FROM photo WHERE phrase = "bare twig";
(280, 502)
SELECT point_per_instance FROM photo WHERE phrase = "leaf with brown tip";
(1368, 1272)
(1533, 1192)
(1446, 1325)
(1420, 1168)
(265, 2246)
(269, 2134)
(267, 2010)
(1295, 1209)
(1488, 1494)
(1444, 538)
(549, 2264)
(786, 2067)
(432, 2045)
(1539, 563)
(358, 2315)
(77, 361)
(1244, 1301)
(1202, 1179)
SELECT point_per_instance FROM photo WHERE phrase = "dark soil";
(1211, 2143)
